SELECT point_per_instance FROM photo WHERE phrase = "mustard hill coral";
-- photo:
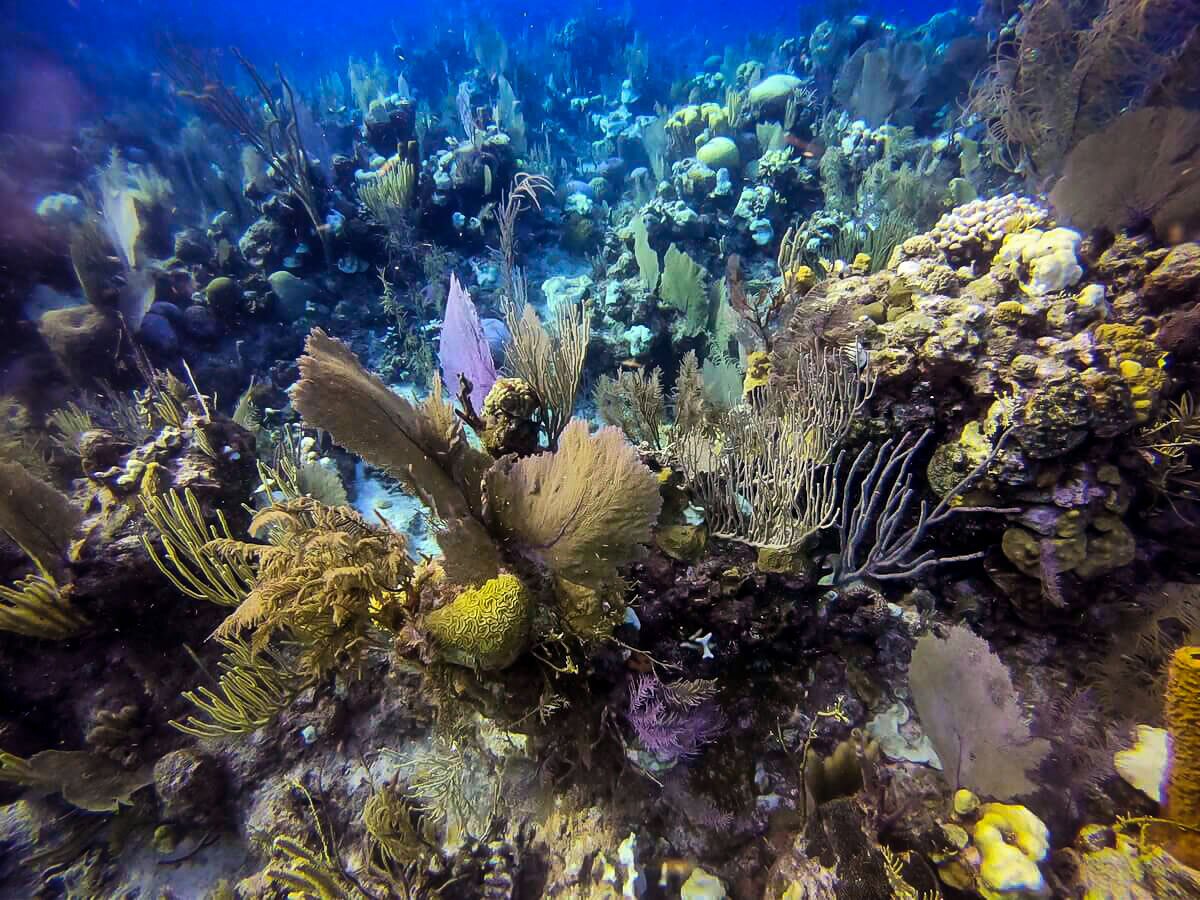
(485, 627)
(509, 418)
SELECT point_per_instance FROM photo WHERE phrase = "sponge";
(1183, 773)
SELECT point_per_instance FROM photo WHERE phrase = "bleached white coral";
(1044, 261)
(975, 230)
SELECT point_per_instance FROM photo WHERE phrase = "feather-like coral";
(36, 606)
(179, 521)
(325, 578)
(253, 689)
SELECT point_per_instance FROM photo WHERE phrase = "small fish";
(631, 365)
(807, 149)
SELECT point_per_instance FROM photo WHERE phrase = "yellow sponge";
(1183, 773)
(1012, 841)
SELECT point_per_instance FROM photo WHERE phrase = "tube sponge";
(1183, 774)
(485, 627)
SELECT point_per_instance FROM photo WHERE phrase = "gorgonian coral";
(673, 721)
(325, 578)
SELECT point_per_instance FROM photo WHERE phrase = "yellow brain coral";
(485, 627)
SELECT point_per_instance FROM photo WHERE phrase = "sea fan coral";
(582, 511)
(464, 351)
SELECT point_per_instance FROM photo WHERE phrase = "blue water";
(61, 60)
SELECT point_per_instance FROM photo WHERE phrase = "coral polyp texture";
(485, 627)
(599, 452)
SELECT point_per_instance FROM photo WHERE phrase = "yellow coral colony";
(485, 627)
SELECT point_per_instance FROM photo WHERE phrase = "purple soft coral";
(463, 349)
(673, 721)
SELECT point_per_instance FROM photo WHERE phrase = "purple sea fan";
(463, 348)
(673, 721)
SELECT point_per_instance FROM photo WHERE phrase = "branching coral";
(1168, 445)
(277, 136)
(253, 689)
(550, 360)
(325, 578)
(179, 521)
(767, 477)
(37, 606)
(388, 819)
(389, 194)
(633, 401)
(873, 535)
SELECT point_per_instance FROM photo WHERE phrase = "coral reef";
(706, 454)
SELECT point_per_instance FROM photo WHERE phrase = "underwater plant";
(278, 137)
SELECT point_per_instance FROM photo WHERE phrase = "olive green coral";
(485, 627)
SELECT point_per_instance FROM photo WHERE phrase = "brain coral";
(485, 627)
